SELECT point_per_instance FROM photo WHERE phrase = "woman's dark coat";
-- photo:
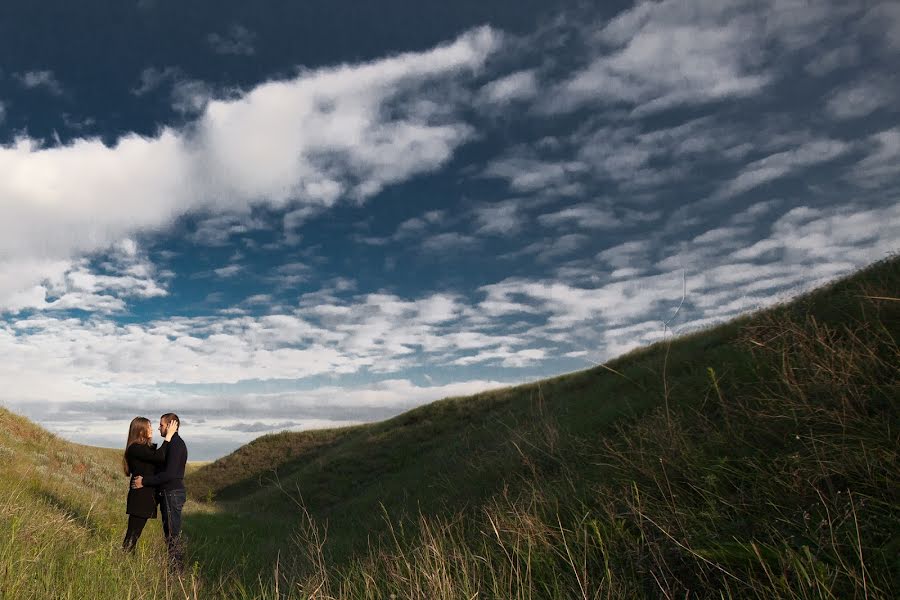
(143, 460)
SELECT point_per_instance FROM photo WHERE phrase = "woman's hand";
(172, 430)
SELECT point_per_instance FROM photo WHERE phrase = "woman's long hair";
(139, 432)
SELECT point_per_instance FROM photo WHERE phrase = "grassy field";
(755, 459)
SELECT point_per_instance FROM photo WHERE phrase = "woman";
(141, 458)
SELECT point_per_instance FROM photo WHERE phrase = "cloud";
(310, 141)
(837, 58)
(187, 96)
(259, 426)
(658, 55)
(783, 163)
(505, 356)
(883, 19)
(237, 41)
(861, 98)
(40, 80)
(587, 216)
(500, 218)
(521, 85)
(879, 167)
(152, 78)
(228, 271)
(190, 96)
(530, 174)
(629, 254)
(83, 284)
(218, 230)
(447, 241)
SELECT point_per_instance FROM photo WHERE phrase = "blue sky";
(321, 213)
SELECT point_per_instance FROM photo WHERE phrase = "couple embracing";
(157, 478)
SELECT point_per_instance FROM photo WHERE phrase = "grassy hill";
(757, 458)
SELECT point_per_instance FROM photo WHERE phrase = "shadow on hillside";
(73, 514)
(231, 545)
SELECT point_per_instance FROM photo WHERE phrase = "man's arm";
(148, 454)
(173, 460)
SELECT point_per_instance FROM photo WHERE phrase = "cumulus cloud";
(310, 141)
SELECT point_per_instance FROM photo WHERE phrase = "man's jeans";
(170, 505)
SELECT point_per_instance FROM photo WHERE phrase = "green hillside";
(757, 458)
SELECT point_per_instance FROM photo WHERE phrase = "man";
(170, 489)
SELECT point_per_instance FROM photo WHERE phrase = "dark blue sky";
(305, 214)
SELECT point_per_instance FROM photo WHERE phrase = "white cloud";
(228, 271)
(502, 218)
(43, 80)
(656, 55)
(521, 85)
(527, 174)
(505, 357)
(629, 254)
(585, 215)
(781, 164)
(218, 230)
(79, 284)
(879, 167)
(307, 141)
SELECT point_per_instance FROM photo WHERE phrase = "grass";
(755, 459)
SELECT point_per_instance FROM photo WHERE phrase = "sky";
(283, 215)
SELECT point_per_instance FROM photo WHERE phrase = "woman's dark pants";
(135, 527)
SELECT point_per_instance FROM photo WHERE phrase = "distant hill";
(757, 456)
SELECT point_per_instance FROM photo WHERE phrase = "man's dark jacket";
(171, 477)
(143, 460)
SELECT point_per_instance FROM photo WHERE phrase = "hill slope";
(755, 457)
